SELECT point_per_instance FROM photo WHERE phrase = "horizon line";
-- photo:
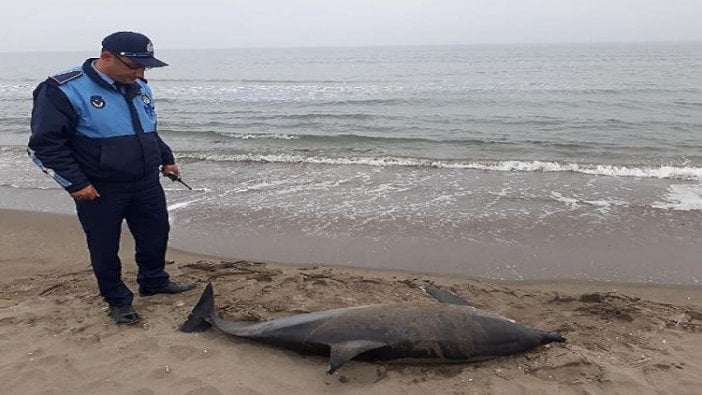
(555, 43)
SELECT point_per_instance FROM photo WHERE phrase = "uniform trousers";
(143, 205)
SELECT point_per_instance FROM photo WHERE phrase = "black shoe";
(124, 314)
(170, 288)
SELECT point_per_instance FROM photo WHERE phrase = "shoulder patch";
(65, 77)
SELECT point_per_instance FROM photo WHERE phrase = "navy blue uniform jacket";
(85, 130)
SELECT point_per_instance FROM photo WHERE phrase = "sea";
(506, 162)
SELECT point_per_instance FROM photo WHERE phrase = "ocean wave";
(261, 136)
(364, 102)
(668, 172)
(30, 187)
(15, 149)
(300, 81)
(338, 139)
(576, 202)
(687, 103)
(682, 197)
(674, 172)
(318, 115)
(262, 81)
(342, 139)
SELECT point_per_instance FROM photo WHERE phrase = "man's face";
(121, 68)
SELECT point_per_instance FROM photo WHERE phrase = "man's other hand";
(87, 193)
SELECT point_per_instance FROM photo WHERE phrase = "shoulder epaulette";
(65, 77)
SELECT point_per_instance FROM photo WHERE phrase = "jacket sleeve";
(167, 157)
(53, 123)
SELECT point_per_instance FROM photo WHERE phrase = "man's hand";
(165, 169)
(87, 193)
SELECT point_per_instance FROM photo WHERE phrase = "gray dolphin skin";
(436, 332)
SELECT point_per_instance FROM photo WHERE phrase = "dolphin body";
(440, 332)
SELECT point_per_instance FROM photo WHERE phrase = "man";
(94, 132)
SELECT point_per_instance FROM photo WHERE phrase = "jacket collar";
(90, 71)
(94, 75)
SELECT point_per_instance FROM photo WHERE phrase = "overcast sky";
(33, 25)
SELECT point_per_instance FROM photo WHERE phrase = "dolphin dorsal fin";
(444, 295)
(346, 351)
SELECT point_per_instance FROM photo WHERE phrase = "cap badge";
(97, 102)
(149, 47)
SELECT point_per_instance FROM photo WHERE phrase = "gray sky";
(29, 25)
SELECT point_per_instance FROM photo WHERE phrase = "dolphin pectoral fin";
(444, 295)
(346, 351)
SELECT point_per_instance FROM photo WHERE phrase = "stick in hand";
(174, 177)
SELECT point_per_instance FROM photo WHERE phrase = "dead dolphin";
(442, 332)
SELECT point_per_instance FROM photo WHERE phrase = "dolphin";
(452, 331)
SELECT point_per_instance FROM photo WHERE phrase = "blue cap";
(135, 46)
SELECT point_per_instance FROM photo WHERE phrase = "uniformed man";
(94, 132)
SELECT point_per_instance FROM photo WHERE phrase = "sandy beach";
(56, 336)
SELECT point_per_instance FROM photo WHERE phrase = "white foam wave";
(569, 201)
(575, 202)
(180, 205)
(689, 173)
(262, 136)
(684, 197)
(669, 172)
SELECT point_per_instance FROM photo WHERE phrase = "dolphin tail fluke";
(548, 337)
(199, 319)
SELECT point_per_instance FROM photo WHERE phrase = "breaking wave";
(668, 172)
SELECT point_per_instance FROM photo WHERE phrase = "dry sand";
(56, 336)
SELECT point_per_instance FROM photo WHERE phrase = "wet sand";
(56, 336)
(632, 244)
(629, 244)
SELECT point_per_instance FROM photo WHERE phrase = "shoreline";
(15, 216)
(56, 335)
(579, 239)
